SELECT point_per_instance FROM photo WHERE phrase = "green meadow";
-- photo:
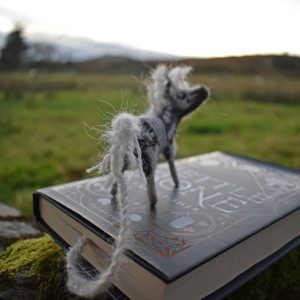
(49, 134)
(46, 134)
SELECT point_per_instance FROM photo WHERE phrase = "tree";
(12, 53)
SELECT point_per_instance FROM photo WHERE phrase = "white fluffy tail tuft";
(123, 138)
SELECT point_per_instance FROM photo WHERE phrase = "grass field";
(43, 140)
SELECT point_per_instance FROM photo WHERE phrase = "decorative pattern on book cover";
(221, 200)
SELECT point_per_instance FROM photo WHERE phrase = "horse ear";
(185, 70)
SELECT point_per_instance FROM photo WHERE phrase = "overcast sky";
(188, 28)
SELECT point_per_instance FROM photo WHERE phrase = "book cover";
(222, 200)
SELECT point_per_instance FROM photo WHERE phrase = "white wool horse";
(136, 143)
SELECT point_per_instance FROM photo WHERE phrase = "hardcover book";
(230, 218)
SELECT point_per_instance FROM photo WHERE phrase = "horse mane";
(157, 82)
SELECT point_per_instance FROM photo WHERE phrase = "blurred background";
(62, 63)
(66, 66)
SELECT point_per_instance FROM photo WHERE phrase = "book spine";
(39, 220)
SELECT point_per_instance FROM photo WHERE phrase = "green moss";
(42, 258)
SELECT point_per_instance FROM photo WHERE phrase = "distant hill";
(255, 64)
(252, 64)
(57, 53)
(113, 64)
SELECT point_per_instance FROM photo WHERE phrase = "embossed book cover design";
(222, 200)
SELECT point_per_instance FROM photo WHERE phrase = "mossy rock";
(41, 259)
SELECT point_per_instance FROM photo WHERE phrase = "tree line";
(18, 54)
